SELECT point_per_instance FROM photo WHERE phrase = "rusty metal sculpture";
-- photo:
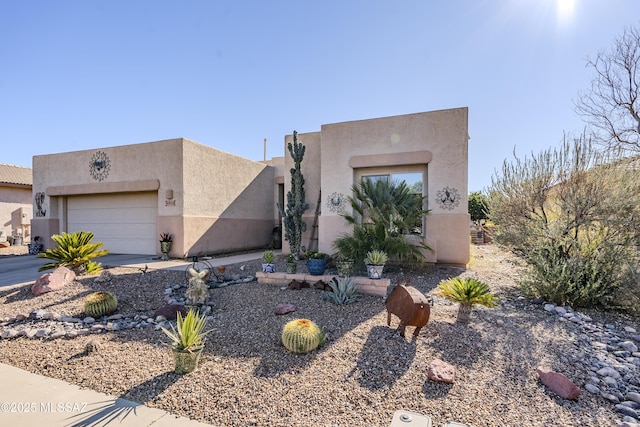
(410, 305)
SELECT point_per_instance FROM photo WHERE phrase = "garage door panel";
(125, 223)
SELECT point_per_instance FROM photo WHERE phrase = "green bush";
(75, 251)
(592, 278)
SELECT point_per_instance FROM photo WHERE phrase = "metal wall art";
(99, 165)
(448, 198)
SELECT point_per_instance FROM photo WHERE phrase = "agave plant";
(467, 292)
(75, 251)
(343, 291)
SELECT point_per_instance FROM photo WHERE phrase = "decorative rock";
(439, 370)
(592, 388)
(115, 317)
(549, 307)
(92, 346)
(500, 322)
(57, 334)
(89, 320)
(97, 328)
(51, 315)
(284, 308)
(633, 396)
(41, 333)
(629, 346)
(609, 372)
(625, 410)
(610, 397)
(53, 281)
(20, 317)
(558, 383)
(170, 312)
(630, 329)
(9, 333)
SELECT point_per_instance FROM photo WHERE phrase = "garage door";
(124, 222)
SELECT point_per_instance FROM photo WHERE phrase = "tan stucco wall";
(15, 211)
(435, 142)
(211, 201)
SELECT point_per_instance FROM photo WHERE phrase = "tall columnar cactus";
(302, 336)
(100, 304)
(292, 217)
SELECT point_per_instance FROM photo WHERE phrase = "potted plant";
(466, 291)
(188, 339)
(344, 266)
(317, 262)
(292, 266)
(35, 247)
(375, 260)
(268, 262)
(165, 245)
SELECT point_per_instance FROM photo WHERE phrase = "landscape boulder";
(558, 383)
(53, 281)
(284, 308)
(439, 370)
(170, 312)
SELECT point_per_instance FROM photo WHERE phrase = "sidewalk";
(31, 400)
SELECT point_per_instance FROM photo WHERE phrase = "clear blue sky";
(87, 74)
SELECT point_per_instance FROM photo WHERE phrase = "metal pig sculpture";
(410, 305)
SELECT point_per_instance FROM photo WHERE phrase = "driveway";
(20, 269)
(24, 268)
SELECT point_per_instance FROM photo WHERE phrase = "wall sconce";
(169, 196)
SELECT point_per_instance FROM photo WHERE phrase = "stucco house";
(15, 202)
(214, 202)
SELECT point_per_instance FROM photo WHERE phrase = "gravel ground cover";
(360, 377)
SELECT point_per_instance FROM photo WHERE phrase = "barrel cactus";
(100, 304)
(302, 336)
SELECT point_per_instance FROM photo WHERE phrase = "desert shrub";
(573, 214)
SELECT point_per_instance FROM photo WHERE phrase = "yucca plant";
(75, 251)
(188, 334)
(187, 340)
(343, 291)
(467, 292)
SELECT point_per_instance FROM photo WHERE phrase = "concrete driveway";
(21, 269)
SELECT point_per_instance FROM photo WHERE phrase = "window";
(413, 181)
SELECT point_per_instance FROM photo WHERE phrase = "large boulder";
(558, 383)
(53, 281)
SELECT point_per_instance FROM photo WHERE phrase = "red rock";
(441, 371)
(53, 281)
(558, 383)
(283, 308)
(170, 312)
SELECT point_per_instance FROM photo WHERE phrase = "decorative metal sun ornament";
(99, 165)
(335, 202)
(448, 198)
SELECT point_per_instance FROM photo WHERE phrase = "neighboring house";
(214, 202)
(15, 202)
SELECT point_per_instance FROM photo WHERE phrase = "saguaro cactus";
(292, 216)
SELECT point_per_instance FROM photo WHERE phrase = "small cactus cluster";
(302, 336)
(100, 304)
(197, 289)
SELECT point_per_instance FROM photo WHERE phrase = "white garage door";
(124, 222)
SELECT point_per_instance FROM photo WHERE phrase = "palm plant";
(383, 213)
(467, 292)
(75, 251)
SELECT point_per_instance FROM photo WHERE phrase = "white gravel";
(360, 377)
